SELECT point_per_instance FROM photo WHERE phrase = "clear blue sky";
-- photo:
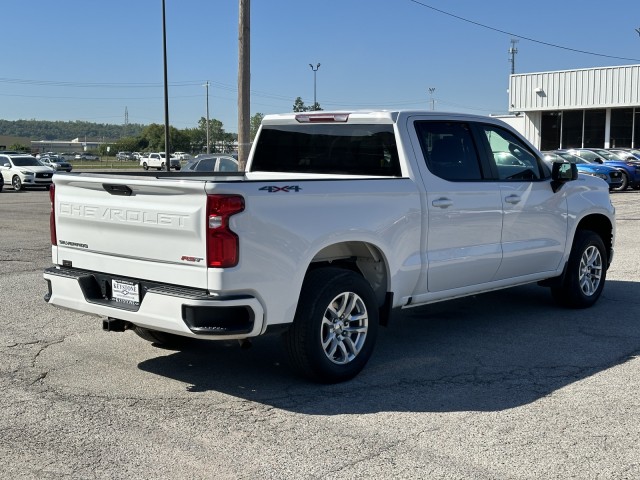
(91, 60)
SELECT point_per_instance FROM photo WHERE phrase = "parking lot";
(498, 386)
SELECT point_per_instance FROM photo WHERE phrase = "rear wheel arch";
(335, 326)
(363, 258)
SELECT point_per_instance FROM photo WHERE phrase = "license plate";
(125, 292)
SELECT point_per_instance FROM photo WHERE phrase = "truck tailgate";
(143, 227)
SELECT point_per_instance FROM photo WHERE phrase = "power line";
(521, 36)
(51, 83)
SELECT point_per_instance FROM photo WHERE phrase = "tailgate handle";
(118, 189)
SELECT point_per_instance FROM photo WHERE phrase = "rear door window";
(449, 150)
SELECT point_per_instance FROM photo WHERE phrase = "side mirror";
(561, 173)
(7, 165)
(564, 171)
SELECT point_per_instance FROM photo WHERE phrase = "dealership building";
(592, 107)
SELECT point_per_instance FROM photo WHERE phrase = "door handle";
(442, 203)
(513, 199)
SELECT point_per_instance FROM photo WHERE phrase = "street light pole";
(206, 85)
(432, 101)
(315, 70)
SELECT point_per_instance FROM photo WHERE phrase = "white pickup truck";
(338, 219)
(158, 161)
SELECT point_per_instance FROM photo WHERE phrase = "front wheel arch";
(585, 273)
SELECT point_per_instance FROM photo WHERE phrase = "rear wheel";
(335, 326)
(586, 272)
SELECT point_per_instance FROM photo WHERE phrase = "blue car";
(630, 168)
(611, 175)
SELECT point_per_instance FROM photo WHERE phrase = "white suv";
(22, 171)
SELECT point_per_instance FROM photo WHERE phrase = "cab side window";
(449, 150)
(513, 160)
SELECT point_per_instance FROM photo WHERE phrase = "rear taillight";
(222, 242)
(52, 215)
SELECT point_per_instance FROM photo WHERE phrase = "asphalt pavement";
(504, 385)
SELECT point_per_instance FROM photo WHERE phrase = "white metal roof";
(601, 87)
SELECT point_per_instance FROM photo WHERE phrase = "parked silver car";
(212, 163)
(22, 171)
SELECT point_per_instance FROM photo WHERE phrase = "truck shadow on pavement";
(490, 352)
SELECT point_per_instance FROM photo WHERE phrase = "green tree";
(255, 122)
(18, 147)
(197, 139)
(154, 135)
(299, 106)
(218, 138)
(315, 107)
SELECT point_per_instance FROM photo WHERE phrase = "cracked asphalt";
(499, 386)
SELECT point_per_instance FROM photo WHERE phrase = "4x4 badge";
(274, 189)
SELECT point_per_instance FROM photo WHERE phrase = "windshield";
(608, 155)
(590, 156)
(572, 158)
(26, 162)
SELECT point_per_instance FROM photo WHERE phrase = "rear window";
(328, 148)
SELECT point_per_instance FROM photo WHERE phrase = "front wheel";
(625, 183)
(16, 183)
(335, 326)
(145, 166)
(586, 272)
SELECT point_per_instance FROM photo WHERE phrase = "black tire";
(586, 272)
(331, 302)
(160, 338)
(17, 183)
(145, 166)
(625, 182)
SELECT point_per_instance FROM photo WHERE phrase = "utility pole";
(315, 70)
(244, 76)
(512, 51)
(167, 150)
(126, 121)
(431, 100)
(206, 85)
